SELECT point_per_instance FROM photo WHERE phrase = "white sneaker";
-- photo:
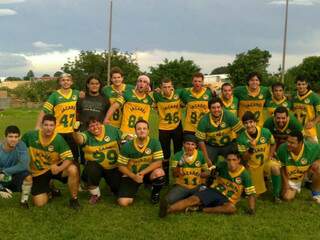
(316, 198)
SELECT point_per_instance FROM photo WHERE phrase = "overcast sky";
(42, 34)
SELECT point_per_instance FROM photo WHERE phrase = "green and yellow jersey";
(102, 149)
(231, 185)
(249, 101)
(138, 158)
(272, 104)
(298, 165)
(196, 106)
(43, 153)
(306, 108)
(169, 110)
(191, 168)
(111, 95)
(63, 107)
(134, 108)
(231, 104)
(261, 144)
(221, 133)
(279, 134)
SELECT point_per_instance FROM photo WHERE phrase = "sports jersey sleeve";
(268, 123)
(235, 123)
(49, 104)
(296, 123)
(183, 94)
(316, 104)
(270, 136)
(237, 92)
(123, 157)
(249, 188)
(157, 152)
(242, 144)
(281, 154)
(203, 162)
(176, 159)
(85, 136)
(63, 149)
(201, 129)
(121, 99)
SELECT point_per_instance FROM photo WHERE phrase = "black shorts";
(72, 145)
(211, 197)
(215, 151)
(129, 188)
(41, 183)
(165, 137)
(16, 182)
(93, 171)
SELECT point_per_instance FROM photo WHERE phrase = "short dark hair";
(190, 138)
(277, 84)
(92, 119)
(116, 70)
(49, 117)
(226, 85)
(141, 121)
(90, 77)
(166, 80)
(234, 152)
(11, 129)
(296, 133)
(281, 109)
(215, 100)
(301, 78)
(253, 74)
(248, 116)
(198, 75)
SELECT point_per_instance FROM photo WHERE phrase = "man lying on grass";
(222, 195)
(140, 161)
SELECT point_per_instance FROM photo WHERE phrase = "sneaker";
(316, 198)
(24, 205)
(55, 192)
(155, 198)
(276, 200)
(192, 209)
(163, 208)
(94, 199)
(74, 203)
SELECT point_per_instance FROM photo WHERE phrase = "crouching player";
(190, 170)
(298, 158)
(140, 161)
(51, 158)
(223, 194)
(14, 165)
(101, 149)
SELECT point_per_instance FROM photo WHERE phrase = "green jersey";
(169, 110)
(298, 165)
(231, 185)
(253, 102)
(191, 167)
(279, 134)
(260, 144)
(272, 104)
(218, 133)
(196, 106)
(138, 158)
(231, 104)
(111, 94)
(102, 149)
(44, 153)
(63, 107)
(306, 108)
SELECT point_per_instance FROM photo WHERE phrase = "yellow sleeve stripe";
(122, 160)
(66, 153)
(158, 156)
(121, 100)
(48, 106)
(237, 127)
(200, 135)
(174, 163)
(318, 108)
(158, 152)
(250, 190)
(242, 148)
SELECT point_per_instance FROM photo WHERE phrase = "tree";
(309, 68)
(254, 60)
(57, 74)
(45, 75)
(29, 75)
(179, 70)
(220, 70)
(91, 62)
(8, 79)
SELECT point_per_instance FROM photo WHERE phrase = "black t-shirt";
(88, 106)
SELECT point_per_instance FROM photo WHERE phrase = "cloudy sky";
(42, 34)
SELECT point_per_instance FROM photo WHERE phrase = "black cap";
(190, 138)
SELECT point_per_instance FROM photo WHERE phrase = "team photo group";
(214, 147)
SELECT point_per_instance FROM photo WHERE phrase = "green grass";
(296, 220)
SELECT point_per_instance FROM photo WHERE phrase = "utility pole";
(284, 42)
(109, 48)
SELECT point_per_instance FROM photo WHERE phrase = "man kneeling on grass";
(189, 168)
(222, 195)
(140, 161)
(51, 158)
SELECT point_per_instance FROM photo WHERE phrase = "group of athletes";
(230, 145)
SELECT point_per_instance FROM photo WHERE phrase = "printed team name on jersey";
(296, 173)
(169, 105)
(192, 171)
(135, 107)
(252, 103)
(196, 105)
(66, 108)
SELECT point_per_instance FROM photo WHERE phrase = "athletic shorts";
(211, 197)
(257, 175)
(94, 172)
(165, 137)
(295, 185)
(16, 182)
(41, 183)
(128, 188)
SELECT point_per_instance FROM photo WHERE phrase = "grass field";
(296, 220)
